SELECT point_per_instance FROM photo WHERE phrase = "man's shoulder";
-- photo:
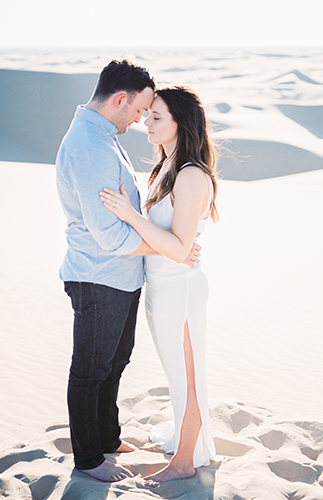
(83, 140)
(86, 134)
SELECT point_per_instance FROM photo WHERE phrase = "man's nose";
(138, 117)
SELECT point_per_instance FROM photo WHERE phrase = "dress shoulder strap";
(188, 164)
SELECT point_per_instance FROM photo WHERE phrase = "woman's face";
(162, 128)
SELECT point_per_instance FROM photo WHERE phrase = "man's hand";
(193, 257)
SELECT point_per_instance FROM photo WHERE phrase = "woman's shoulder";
(191, 179)
(192, 171)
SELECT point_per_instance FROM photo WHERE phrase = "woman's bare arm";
(190, 192)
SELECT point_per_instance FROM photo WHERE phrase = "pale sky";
(87, 24)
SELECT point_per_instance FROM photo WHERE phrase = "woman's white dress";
(176, 293)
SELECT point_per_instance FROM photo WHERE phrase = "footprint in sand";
(41, 487)
(155, 399)
(273, 439)
(294, 472)
(25, 456)
(63, 444)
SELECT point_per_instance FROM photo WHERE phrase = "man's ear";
(119, 100)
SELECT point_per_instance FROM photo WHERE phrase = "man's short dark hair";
(122, 75)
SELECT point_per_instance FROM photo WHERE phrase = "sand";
(266, 104)
(265, 314)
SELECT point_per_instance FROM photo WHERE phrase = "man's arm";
(144, 249)
(192, 259)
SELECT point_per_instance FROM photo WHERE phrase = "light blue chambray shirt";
(89, 159)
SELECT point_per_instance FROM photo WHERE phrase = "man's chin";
(123, 130)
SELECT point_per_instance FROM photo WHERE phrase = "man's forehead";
(145, 98)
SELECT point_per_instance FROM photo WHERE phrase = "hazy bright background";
(142, 23)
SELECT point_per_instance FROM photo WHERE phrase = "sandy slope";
(268, 105)
(264, 351)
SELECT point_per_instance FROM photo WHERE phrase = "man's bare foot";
(108, 472)
(126, 448)
(169, 473)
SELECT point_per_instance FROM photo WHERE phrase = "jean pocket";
(74, 291)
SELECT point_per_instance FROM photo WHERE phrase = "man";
(102, 269)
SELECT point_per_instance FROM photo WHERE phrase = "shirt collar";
(97, 119)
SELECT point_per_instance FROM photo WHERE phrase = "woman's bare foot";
(108, 472)
(169, 473)
(126, 448)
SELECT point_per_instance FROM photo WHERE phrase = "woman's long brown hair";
(193, 142)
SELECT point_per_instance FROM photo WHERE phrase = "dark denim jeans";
(104, 327)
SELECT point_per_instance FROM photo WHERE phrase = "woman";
(181, 198)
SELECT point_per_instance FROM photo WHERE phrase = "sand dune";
(36, 113)
(241, 91)
(250, 159)
(309, 117)
(263, 261)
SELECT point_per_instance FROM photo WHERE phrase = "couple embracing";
(108, 238)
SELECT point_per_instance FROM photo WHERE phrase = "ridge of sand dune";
(285, 77)
(309, 117)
